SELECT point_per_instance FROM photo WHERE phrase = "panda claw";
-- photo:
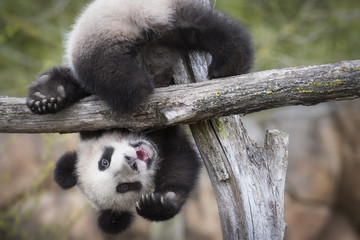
(153, 197)
(55, 106)
(138, 206)
(162, 200)
(52, 100)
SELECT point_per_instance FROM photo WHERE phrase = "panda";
(121, 50)
(121, 173)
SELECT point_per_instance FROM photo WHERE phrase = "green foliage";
(298, 32)
(31, 39)
(19, 219)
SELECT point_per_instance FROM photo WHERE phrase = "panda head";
(112, 171)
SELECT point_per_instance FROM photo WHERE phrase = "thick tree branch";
(190, 103)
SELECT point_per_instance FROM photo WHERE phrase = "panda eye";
(105, 159)
(104, 164)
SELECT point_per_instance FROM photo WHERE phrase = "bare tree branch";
(190, 103)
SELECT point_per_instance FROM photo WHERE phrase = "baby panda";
(121, 50)
(121, 172)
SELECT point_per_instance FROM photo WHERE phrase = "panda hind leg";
(202, 28)
(54, 90)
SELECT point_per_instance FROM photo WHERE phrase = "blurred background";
(322, 198)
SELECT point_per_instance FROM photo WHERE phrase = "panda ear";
(112, 222)
(64, 172)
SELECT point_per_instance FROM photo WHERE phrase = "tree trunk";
(248, 181)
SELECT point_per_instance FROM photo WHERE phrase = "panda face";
(114, 170)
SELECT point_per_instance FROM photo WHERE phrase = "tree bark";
(248, 181)
(189, 103)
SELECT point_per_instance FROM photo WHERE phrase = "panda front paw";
(45, 95)
(158, 207)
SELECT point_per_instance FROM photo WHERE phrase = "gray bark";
(189, 103)
(248, 181)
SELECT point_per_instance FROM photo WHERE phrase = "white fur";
(99, 187)
(119, 20)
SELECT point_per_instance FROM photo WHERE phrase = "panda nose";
(132, 163)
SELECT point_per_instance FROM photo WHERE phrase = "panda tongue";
(142, 155)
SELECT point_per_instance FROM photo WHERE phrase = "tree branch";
(190, 103)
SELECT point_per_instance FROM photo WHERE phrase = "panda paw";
(157, 206)
(45, 95)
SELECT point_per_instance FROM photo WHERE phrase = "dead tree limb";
(189, 103)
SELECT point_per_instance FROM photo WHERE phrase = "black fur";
(113, 222)
(64, 172)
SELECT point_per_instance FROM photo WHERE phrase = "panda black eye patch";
(129, 186)
(105, 159)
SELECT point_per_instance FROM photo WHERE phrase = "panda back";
(116, 20)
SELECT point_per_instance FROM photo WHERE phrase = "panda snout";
(132, 163)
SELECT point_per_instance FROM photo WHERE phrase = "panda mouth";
(142, 155)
